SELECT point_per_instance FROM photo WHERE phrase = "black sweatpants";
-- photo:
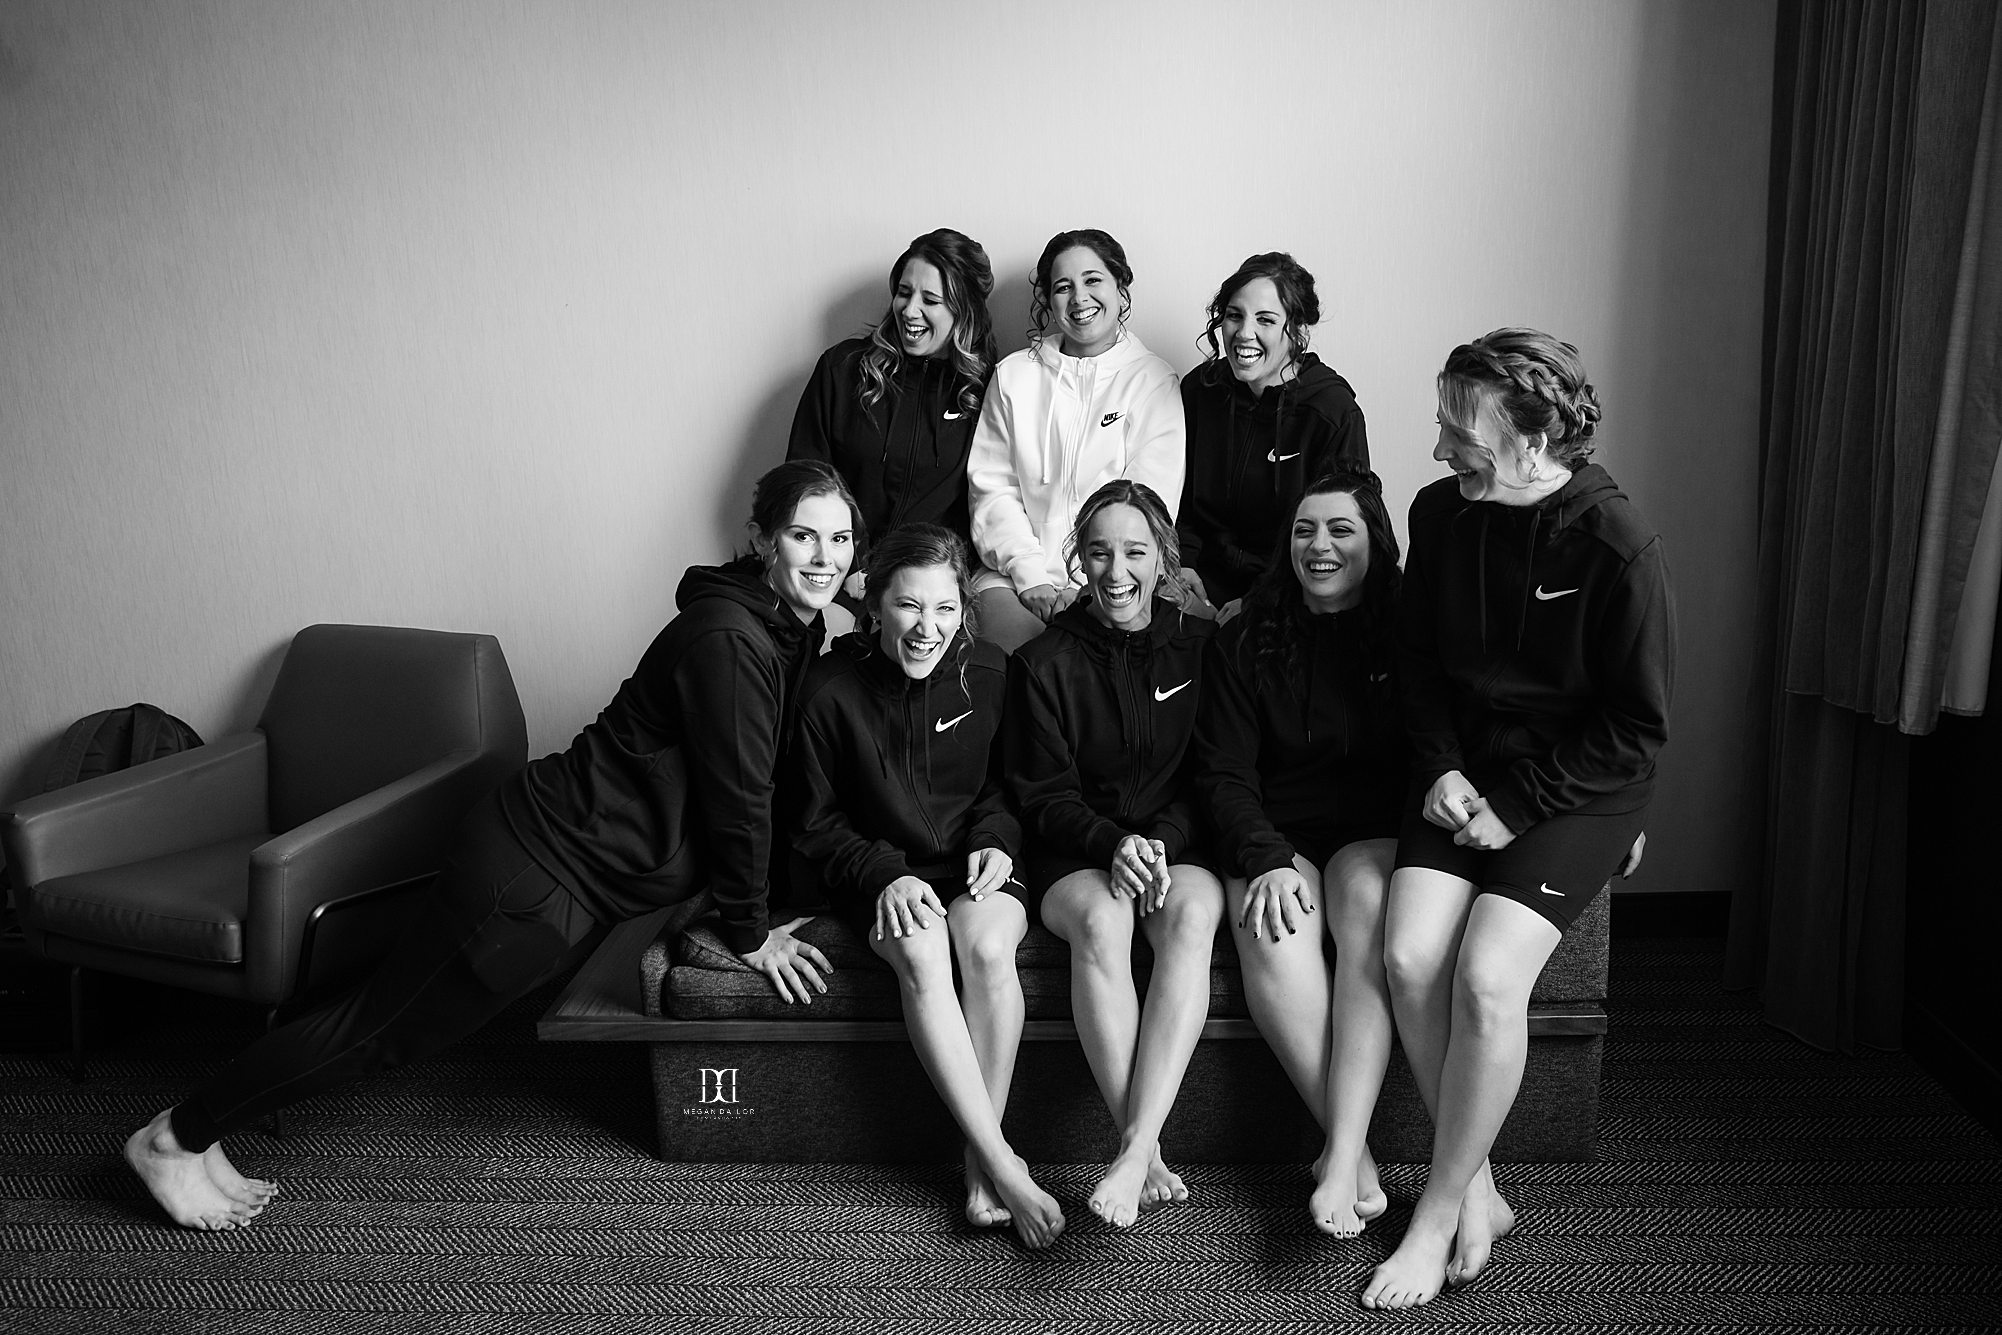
(494, 927)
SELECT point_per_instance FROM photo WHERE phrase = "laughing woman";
(1537, 643)
(1083, 404)
(1102, 705)
(1264, 416)
(894, 411)
(904, 814)
(588, 836)
(1302, 760)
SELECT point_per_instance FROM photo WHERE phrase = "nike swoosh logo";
(945, 723)
(954, 417)
(1379, 676)
(1273, 456)
(1545, 887)
(1160, 694)
(1543, 597)
(1110, 418)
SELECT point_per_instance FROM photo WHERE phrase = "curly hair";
(1274, 606)
(1296, 298)
(1125, 491)
(969, 280)
(1110, 253)
(1535, 383)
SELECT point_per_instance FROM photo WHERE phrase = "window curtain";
(1883, 371)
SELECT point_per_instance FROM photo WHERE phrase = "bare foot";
(1035, 1213)
(1370, 1200)
(253, 1191)
(1164, 1185)
(1484, 1216)
(1332, 1203)
(1117, 1198)
(1416, 1271)
(180, 1182)
(983, 1207)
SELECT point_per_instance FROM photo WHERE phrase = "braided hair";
(1534, 382)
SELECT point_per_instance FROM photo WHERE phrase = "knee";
(1488, 999)
(1410, 965)
(1189, 919)
(987, 958)
(920, 960)
(1102, 936)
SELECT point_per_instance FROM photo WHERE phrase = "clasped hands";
(1452, 804)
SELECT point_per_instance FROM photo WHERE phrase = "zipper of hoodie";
(912, 737)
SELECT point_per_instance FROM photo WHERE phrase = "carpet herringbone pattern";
(1743, 1182)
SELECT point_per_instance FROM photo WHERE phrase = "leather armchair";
(264, 863)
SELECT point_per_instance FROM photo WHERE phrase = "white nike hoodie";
(1053, 430)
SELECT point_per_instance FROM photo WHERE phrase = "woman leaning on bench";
(595, 834)
(903, 814)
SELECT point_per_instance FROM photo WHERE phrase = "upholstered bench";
(740, 1076)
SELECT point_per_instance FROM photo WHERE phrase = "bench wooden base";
(833, 1091)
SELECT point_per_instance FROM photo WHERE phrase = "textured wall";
(482, 316)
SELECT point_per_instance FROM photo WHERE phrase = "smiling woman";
(1263, 416)
(894, 410)
(595, 834)
(1083, 404)
(903, 815)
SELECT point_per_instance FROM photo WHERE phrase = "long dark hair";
(1296, 297)
(1110, 253)
(969, 279)
(1274, 605)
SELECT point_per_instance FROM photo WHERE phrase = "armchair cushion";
(189, 905)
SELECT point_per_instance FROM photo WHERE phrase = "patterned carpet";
(1744, 1182)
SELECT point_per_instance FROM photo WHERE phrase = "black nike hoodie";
(1537, 648)
(1099, 723)
(900, 777)
(1319, 753)
(1249, 458)
(904, 456)
(673, 782)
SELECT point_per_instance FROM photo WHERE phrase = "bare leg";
(1503, 949)
(179, 1181)
(1287, 991)
(248, 1190)
(1182, 932)
(923, 964)
(985, 934)
(1004, 621)
(1346, 1192)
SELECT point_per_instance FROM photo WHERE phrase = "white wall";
(482, 316)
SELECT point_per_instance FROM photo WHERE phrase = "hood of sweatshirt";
(1509, 536)
(742, 581)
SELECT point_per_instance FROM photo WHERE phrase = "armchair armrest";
(398, 831)
(201, 796)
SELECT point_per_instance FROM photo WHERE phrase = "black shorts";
(1317, 846)
(1555, 868)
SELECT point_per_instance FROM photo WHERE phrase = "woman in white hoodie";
(1063, 417)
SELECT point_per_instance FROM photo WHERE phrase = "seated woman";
(1063, 417)
(903, 813)
(894, 410)
(1101, 707)
(1537, 645)
(1264, 416)
(593, 835)
(1300, 756)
